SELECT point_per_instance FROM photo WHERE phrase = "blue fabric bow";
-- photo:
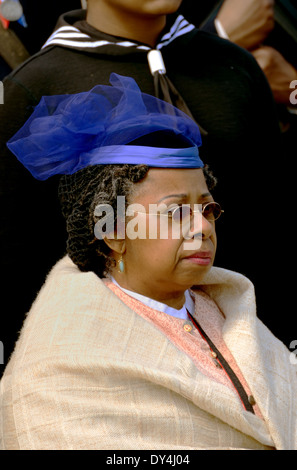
(66, 133)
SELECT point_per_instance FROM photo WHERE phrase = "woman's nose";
(199, 230)
(201, 227)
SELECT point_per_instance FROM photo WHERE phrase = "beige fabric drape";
(89, 373)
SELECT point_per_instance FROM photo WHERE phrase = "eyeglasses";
(211, 211)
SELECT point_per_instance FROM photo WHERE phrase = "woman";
(138, 342)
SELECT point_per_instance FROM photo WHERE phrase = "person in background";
(35, 26)
(265, 29)
(217, 83)
(249, 23)
(252, 25)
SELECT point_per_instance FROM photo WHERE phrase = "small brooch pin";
(188, 327)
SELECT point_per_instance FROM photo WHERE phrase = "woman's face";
(164, 268)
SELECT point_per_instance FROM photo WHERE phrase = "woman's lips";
(203, 258)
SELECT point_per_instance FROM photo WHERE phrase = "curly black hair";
(79, 195)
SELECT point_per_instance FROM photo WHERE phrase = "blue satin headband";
(66, 133)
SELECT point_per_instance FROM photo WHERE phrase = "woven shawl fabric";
(90, 373)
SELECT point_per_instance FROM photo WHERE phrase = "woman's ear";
(116, 245)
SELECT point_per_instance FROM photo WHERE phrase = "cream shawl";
(90, 373)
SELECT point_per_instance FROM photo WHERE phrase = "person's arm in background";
(244, 22)
(279, 72)
(247, 23)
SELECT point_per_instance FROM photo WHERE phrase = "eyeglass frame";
(178, 207)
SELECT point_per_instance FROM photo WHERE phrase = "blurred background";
(20, 39)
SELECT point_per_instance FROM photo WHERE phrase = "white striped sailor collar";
(69, 36)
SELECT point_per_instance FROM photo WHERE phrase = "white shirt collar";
(154, 304)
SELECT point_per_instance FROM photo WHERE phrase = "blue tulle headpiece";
(66, 133)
